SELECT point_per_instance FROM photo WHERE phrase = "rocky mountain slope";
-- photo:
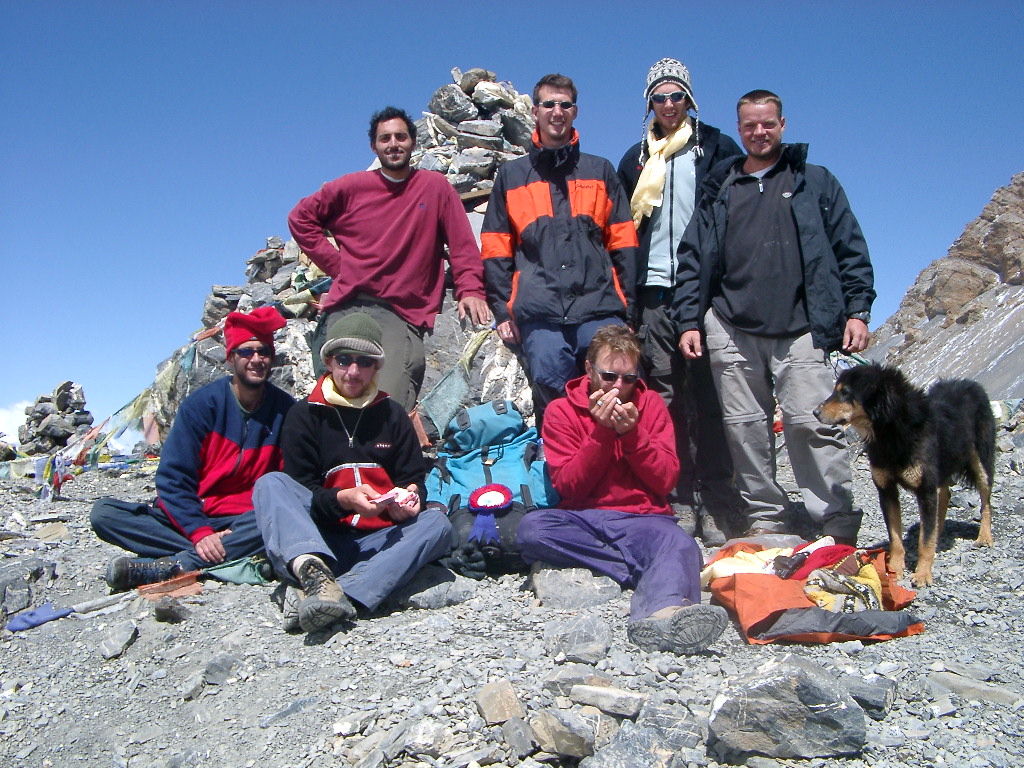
(964, 315)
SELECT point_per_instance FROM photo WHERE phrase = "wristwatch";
(865, 316)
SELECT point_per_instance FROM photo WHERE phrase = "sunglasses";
(550, 104)
(610, 376)
(345, 360)
(247, 352)
(661, 98)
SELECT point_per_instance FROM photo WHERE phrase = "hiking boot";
(689, 630)
(289, 598)
(325, 602)
(685, 515)
(124, 573)
(710, 533)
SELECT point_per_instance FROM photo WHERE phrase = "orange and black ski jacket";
(558, 242)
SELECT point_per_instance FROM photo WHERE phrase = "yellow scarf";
(650, 187)
(332, 396)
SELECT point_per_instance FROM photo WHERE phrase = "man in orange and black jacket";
(559, 246)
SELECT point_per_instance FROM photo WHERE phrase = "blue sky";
(147, 149)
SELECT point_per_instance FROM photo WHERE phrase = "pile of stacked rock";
(471, 128)
(53, 419)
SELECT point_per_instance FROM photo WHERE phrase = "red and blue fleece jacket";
(214, 454)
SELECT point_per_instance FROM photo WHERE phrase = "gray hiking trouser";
(750, 373)
(688, 390)
(369, 566)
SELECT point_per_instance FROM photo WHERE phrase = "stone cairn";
(472, 126)
(54, 419)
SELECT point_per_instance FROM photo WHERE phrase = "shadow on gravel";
(324, 636)
(954, 529)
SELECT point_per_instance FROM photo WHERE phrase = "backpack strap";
(487, 462)
(524, 491)
(530, 454)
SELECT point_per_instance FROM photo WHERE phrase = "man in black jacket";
(558, 245)
(775, 270)
(663, 174)
(349, 503)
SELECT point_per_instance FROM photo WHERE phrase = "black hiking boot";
(124, 573)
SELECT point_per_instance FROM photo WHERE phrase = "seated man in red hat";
(224, 437)
(612, 456)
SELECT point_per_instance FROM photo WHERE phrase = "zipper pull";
(760, 186)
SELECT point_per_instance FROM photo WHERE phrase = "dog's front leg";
(889, 501)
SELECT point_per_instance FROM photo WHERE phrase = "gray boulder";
(788, 707)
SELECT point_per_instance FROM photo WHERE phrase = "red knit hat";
(258, 325)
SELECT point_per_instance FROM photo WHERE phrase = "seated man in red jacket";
(611, 452)
(225, 435)
(345, 519)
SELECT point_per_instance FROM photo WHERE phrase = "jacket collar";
(562, 160)
(316, 397)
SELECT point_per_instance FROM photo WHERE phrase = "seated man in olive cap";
(345, 520)
(225, 435)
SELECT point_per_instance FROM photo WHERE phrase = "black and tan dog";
(922, 442)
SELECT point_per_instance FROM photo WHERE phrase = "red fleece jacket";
(594, 468)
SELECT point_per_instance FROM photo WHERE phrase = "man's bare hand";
(689, 345)
(477, 309)
(625, 417)
(602, 406)
(359, 501)
(405, 508)
(211, 549)
(856, 336)
(508, 332)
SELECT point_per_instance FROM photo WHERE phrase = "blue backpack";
(487, 444)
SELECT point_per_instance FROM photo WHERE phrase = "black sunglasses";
(550, 104)
(661, 98)
(611, 376)
(345, 360)
(248, 352)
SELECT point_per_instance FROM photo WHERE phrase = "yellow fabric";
(332, 396)
(836, 595)
(650, 187)
(743, 562)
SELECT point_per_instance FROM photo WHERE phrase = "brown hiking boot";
(691, 629)
(325, 601)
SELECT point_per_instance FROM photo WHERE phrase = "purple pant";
(648, 553)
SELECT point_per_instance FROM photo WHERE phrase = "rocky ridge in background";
(964, 315)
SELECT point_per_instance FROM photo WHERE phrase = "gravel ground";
(277, 699)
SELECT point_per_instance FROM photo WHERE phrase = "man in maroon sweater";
(389, 227)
